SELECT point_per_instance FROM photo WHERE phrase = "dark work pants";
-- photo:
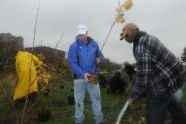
(157, 108)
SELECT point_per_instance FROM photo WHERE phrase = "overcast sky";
(165, 19)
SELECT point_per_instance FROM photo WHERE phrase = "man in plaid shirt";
(159, 76)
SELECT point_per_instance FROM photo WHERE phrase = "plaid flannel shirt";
(159, 72)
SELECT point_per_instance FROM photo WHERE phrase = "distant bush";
(9, 45)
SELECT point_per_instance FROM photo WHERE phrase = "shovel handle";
(123, 110)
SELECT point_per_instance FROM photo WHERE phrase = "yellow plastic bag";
(27, 75)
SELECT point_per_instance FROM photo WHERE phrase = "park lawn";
(63, 113)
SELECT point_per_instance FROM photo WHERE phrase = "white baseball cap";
(81, 29)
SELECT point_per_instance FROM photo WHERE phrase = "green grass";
(62, 113)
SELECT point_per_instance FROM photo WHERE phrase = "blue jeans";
(158, 107)
(80, 87)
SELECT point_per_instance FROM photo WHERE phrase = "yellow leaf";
(119, 19)
(127, 5)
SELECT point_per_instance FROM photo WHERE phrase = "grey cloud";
(162, 18)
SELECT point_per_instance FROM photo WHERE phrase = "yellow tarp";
(27, 75)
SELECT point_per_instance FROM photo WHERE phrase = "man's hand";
(98, 61)
(85, 76)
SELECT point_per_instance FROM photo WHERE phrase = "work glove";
(93, 78)
(138, 93)
(130, 100)
(134, 96)
(135, 93)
